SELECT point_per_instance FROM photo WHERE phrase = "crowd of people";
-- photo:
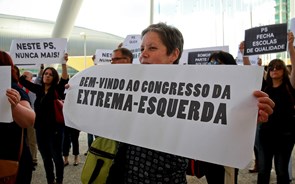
(161, 44)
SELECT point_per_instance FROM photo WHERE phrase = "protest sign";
(103, 56)
(198, 112)
(266, 39)
(5, 83)
(133, 43)
(38, 51)
(199, 56)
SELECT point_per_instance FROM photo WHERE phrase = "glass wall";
(209, 23)
(204, 23)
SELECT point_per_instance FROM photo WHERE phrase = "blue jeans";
(50, 143)
(279, 147)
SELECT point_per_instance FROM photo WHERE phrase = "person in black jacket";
(49, 133)
(276, 136)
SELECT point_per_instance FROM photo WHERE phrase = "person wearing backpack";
(101, 153)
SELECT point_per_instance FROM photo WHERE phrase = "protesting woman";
(49, 133)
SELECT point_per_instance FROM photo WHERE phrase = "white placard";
(103, 56)
(38, 51)
(5, 83)
(199, 112)
(133, 43)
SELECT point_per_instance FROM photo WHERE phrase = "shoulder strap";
(56, 96)
(24, 88)
(96, 171)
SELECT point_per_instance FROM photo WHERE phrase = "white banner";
(200, 112)
(38, 51)
(5, 83)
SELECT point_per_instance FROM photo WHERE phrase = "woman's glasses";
(118, 58)
(214, 62)
(277, 67)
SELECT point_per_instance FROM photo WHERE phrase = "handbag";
(58, 105)
(9, 168)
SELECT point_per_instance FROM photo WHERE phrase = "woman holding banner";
(49, 133)
(163, 44)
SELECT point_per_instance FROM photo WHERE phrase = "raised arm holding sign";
(48, 131)
(276, 136)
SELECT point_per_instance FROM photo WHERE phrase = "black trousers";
(215, 173)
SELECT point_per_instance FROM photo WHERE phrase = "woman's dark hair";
(54, 75)
(169, 35)
(273, 63)
(5, 60)
(224, 57)
(16, 69)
